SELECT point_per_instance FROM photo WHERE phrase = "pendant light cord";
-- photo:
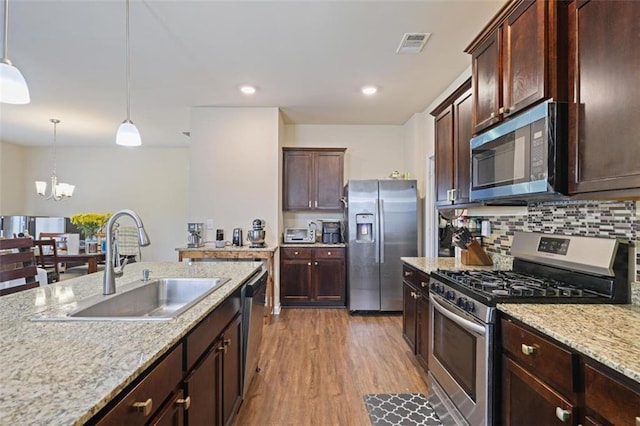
(55, 156)
(128, 68)
(6, 29)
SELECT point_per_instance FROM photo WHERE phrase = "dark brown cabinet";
(313, 178)
(173, 412)
(538, 379)
(453, 130)
(415, 313)
(610, 400)
(603, 71)
(312, 276)
(519, 60)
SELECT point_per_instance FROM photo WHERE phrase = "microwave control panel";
(538, 151)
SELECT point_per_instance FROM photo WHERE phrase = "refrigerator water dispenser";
(364, 227)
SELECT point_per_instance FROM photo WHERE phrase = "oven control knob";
(469, 306)
(450, 295)
(460, 302)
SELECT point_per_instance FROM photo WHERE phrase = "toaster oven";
(299, 235)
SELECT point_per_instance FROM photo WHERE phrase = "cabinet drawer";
(545, 359)
(295, 253)
(152, 390)
(409, 274)
(203, 335)
(422, 281)
(610, 399)
(329, 253)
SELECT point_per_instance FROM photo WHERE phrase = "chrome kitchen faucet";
(110, 274)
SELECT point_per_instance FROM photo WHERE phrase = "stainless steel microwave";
(522, 158)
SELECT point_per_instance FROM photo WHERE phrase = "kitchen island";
(63, 373)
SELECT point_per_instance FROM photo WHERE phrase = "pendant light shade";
(13, 87)
(128, 134)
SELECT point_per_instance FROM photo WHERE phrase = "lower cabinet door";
(409, 315)
(527, 400)
(422, 332)
(231, 370)
(172, 414)
(203, 388)
(328, 281)
(295, 281)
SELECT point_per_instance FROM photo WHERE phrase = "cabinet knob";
(423, 284)
(226, 342)
(295, 253)
(185, 403)
(143, 407)
(328, 253)
(503, 110)
(637, 421)
(493, 114)
(563, 415)
(315, 263)
(407, 273)
(309, 264)
(528, 349)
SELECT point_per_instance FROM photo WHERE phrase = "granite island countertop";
(62, 373)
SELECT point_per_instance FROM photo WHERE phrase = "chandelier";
(59, 191)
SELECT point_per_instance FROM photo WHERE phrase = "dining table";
(91, 259)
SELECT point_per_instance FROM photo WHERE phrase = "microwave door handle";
(466, 324)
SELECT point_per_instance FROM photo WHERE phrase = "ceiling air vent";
(413, 42)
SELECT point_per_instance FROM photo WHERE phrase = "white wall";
(150, 181)
(234, 169)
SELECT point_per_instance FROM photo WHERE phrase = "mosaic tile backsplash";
(607, 219)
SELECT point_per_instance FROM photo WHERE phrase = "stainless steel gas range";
(463, 361)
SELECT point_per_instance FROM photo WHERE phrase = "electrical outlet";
(209, 223)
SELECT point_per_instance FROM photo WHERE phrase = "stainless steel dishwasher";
(253, 306)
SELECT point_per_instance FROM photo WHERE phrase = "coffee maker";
(331, 232)
(195, 237)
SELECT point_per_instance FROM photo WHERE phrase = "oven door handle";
(464, 323)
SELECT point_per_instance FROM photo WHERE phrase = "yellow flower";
(90, 223)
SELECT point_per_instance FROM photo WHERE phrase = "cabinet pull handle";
(226, 342)
(407, 274)
(413, 294)
(316, 203)
(185, 403)
(501, 110)
(493, 114)
(222, 348)
(143, 407)
(637, 421)
(309, 203)
(563, 415)
(423, 284)
(528, 349)
(453, 194)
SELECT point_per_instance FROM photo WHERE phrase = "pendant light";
(13, 87)
(59, 191)
(128, 134)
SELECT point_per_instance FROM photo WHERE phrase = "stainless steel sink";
(159, 299)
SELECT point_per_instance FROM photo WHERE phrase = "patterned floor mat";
(400, 409)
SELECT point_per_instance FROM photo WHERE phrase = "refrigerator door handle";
(376, 234)
(381, 230)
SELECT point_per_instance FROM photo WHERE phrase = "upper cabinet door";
(444, 156)
(462, 147)
(524, 60)
(298, 172)
(329, 180)
(604, 152)
(486, 82)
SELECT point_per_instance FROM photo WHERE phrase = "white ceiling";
(309, 58)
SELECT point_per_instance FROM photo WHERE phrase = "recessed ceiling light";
(369, 90)
(248, 90)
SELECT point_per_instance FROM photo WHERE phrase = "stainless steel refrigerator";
(382, 226)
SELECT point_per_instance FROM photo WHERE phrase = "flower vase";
(91, 244)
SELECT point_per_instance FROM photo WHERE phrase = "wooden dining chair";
(17, 263)
(47, 258)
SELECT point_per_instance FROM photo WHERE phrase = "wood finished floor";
(317, 364)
